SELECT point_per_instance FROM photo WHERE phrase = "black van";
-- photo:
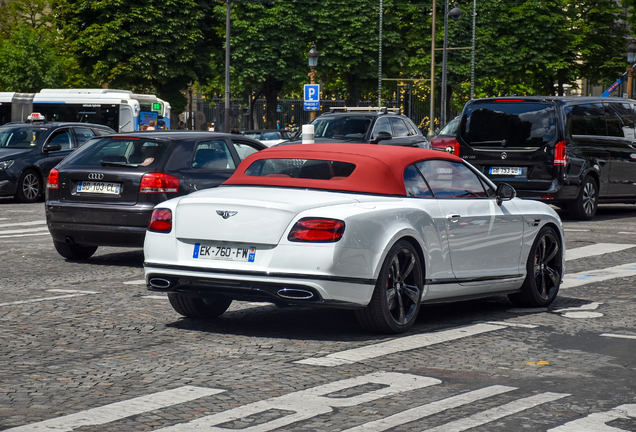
(569, 151)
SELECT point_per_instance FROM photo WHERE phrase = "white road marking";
(597, 422)
(498, 412)
(25, 235)
(136, 282)
(155, 297)
(72, 291)
(35, 300)
(585, 307)
(119, 410)
(626, 232)
(594, 250)
(398, 345)
(619, 336)
(22, 223)
(23, 231)
(308, 403)
(575, 230)
(511, 324)
(430, 409)
(593, 276)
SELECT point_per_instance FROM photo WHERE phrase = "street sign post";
(312, 97)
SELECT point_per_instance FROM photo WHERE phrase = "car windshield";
(509, 124)
(450, 129)
(20, 137)
(352, 128)
(301, 168)
(120, 151)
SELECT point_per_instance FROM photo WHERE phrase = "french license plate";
(505, 171)
(227, 253)
(99, 187)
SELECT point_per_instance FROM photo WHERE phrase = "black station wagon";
(570, 151)
(104, 193)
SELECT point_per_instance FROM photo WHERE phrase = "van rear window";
(509, 124)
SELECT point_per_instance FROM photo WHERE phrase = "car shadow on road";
(133, 258)
(329, 324)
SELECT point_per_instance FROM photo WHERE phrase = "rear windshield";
(20, 137)
(509, 124)
(301, 168)
(353, 128)
(128, 152)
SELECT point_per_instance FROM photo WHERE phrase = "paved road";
(85, 347)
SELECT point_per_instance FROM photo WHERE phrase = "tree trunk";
(271, 88)
(353, 90)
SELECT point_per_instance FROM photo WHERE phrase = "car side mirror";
(505, 192)
(381, 137)
(52, 147)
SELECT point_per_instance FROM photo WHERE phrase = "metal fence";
(290, 112)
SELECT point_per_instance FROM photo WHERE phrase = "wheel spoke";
(553, 250)
(395, 268)
(406, 270)
(554, 276)
(412, 292)
(391, 294)
(401, 318)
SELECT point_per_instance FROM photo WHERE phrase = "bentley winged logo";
(226, 214)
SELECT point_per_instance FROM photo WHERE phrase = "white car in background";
(377, 229)
(269, 137)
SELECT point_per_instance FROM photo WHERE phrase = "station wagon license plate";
(227, 253)
(99, 187)
(505, 171)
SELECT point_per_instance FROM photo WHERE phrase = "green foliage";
(30, 61)
(156, 45)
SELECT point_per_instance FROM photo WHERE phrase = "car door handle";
(453, 217)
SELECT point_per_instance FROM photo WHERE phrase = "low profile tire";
(29, 187)
(586, 203)
(192, 307)
(544, 271)
(398, 292)
(74, 251)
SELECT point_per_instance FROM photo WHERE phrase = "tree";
(157, 45)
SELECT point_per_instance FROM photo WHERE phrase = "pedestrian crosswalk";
(22, 229)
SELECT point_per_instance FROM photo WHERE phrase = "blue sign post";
(312, 97)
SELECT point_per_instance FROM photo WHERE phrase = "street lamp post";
(312, 57)
(454, 13)
(190, 120)
(631, 59)
(431, 122)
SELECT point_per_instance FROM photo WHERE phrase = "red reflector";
(561, 154)
(547, 197)
(54, 179)
(317, 230)
(160, 221)
(509, 100)
(456, 150)
(159, 183)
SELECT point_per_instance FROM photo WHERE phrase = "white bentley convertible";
(378, 229)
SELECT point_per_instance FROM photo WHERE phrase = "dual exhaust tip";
(286, 293)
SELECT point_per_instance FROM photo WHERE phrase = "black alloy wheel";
(29, 187)
(585, 205)
(398, 292)
(544, 271)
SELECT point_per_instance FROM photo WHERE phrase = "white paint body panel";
(265, 215)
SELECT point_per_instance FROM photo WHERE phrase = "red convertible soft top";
(379, 168)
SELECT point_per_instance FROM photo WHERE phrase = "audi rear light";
(159, 183)
(54, 179)
(561, 154)
(317, 230)
(160, 221)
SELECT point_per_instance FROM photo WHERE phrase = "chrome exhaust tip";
(159, 283)
(295, 294)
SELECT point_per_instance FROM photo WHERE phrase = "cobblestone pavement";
(85, 347)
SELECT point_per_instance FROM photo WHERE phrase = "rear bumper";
(557, 195)
(98, 225)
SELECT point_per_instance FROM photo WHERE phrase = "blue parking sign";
(312, 97)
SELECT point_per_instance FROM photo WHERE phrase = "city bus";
(122, 110)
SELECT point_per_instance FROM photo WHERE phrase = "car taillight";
(54, 179)
(317, 230)
(159, 182)
(160, 221)
(561, 154)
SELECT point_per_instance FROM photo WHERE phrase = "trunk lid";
(247, 214)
